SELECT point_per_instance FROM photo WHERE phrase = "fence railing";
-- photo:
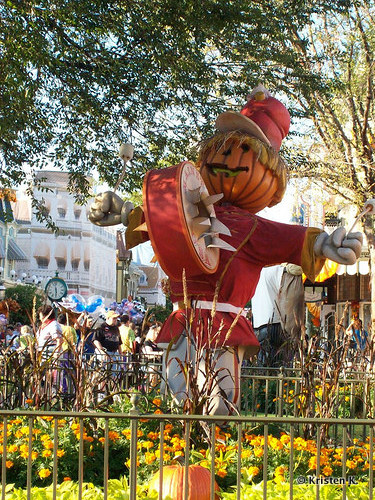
(248, 434)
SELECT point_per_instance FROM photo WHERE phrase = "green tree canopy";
(79, 77)
(29, 300)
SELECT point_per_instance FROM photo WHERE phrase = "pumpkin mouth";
(220, 168)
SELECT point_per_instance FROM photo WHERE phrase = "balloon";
(79, 304)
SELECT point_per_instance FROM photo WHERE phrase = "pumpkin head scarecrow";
(222, 249)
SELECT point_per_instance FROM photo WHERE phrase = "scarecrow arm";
(339, 246)
(109, 209)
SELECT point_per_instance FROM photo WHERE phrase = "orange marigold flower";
(280, 470)
(46, 453)
(126, 433)
(60, 453)
(327, 470)
(156, 401)
(48, 445)
(351, 464)
(113, 435)
(67, 478)
(222, 472)
(9, 464)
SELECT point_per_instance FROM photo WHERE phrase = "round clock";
(56, 289)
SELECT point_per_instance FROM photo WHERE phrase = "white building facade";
(83, 254)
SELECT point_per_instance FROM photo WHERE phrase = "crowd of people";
(112, 342)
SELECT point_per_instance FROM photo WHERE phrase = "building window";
(75, 264)
(60, 263)
(61, 212)
(86, 265)
(42, 262)
(77, 214)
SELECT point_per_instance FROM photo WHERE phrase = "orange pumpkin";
(250, 174)
(174, 482)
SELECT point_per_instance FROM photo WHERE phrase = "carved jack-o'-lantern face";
(249, 174)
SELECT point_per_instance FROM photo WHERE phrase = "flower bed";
(226, 447)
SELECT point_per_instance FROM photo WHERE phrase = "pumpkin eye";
(227, 152)
(245, 147)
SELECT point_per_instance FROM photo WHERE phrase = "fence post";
(280, 395)
(134, 399)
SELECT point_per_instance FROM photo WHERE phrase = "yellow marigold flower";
(43, 473)
(24, 448)
(140, 433)
(253, 471)
(60, 453)
(351, 464)
(312, 463)
(279, 478)
(127, 463)
(48, 445)
(258, 452)
(34, 455)
(113, 435)
(47, 418)
(327, 470)
(285, 439)
(222, 472)
(126, 433)
(300, 444)
(246, 453)
(46, 453)
(45, 437)
(12, 448)
(24, 454)
(147, 444)
(150, 457)
(9, 464)
(18, 434)
(275, 444)
(101, 440)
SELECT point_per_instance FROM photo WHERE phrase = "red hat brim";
(231, 121)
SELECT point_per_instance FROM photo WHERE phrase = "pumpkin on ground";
(174, 482)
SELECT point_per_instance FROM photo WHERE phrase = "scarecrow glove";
(339, 246)
(109, 209)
